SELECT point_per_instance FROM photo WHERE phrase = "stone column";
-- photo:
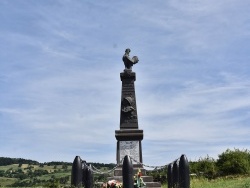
(128, 112)
(129, 137)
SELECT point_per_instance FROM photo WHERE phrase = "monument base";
(129, 143)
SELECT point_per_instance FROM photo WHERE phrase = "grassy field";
(229, 182)
(54, 172)
(34, 167)
(6, 181)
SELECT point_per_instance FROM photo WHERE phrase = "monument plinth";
(129, 137)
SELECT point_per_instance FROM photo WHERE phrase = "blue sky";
(60, 88)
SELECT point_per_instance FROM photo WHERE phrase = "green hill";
(17, 172)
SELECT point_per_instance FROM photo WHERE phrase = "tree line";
(230, 162)
(4, 161)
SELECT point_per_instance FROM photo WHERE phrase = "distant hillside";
(18, 172)
(9, 161)
(4, 161)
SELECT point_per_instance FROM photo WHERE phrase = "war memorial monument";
(129, 145)
(129, 137)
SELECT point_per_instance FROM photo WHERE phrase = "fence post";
(76, 172)
(170, 175)
(84, 173)
(184, 172)
(176, 174)
(127, 172)
(89, 177)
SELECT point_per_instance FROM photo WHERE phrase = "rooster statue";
(129, 62)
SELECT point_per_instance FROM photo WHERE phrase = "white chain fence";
(154, 167)
(97, 171)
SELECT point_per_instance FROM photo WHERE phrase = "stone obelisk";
(129, 136)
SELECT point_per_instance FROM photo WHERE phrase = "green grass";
(6, 181)
(57, 175)
(237, 182)
(227, 182)
(13, 166)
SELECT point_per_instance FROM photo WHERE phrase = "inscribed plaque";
(130, 148)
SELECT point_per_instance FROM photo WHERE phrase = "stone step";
(118, 171)
(153, 184)
(147, 178)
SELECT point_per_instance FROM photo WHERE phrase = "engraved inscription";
(130, 148)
